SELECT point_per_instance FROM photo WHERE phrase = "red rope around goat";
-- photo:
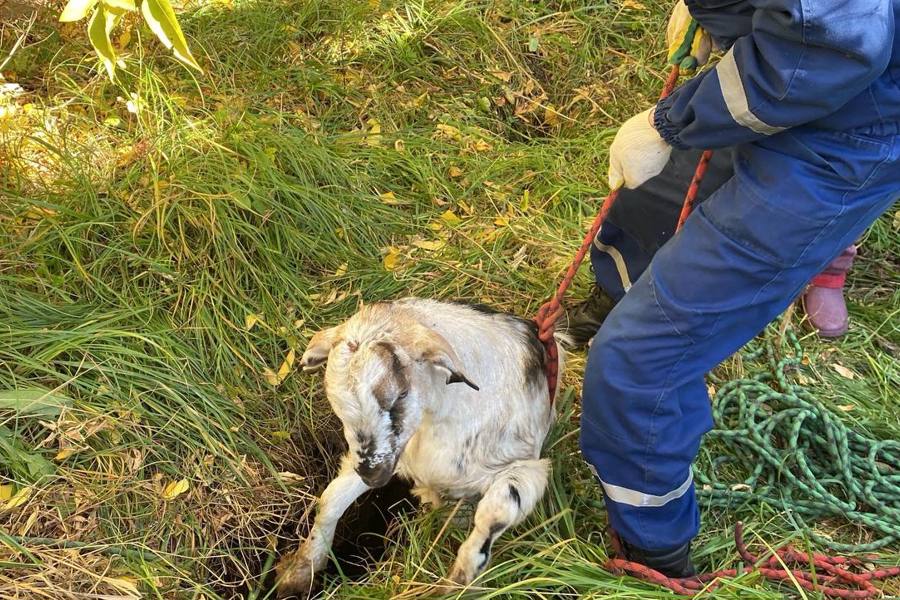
(549, 313)
(828, 575)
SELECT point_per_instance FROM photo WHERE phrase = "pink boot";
(824, 299)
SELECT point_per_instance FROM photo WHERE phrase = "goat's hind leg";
(510, 498)
(295, 572)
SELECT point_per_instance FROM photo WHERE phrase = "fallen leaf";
(846, 407)
(551, 116)
(390, 259)
(290, 478)
(503, 76)
(482, 146)
(449, 217)
(64, 453)
(449, 132)
(432, 245)
(390, 198)
(286, 366)
(373, 133)
(399, 145)
(844, 371)
(6, 491)
(501, 221)
(125, 584)
(633, 5)
(740, 487)
(455, 172)
(341, 270)
(174, 489)
(18, 499)
(251, 320)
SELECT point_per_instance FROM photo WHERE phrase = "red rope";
(829, 575)
(550, 312)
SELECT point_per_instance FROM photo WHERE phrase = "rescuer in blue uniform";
(806, 103)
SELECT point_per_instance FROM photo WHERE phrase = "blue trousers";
(793, 202)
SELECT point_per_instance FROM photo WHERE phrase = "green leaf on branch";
(76, 10)
(102, 23)
(162, 21)
(120, 5)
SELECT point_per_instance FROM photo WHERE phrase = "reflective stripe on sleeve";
(736, 97)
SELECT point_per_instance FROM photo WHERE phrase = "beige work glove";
(637, 153)
(689, 44)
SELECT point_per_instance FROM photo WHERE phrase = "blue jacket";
(826, 64)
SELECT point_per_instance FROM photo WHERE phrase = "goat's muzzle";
(375, 476)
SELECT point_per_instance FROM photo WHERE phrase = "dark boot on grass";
(675, 562)
(582, 320)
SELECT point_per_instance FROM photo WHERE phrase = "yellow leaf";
(373, 133)
(174, 489)
(466, 208)
(432, 245)
(390, 259)
(125, 584)
(64, 453)
(551, 117)
(76, 10)
(449, 132)
(271, 377)
(286, 366)
(399, 145)
(482, 146)
(390, 198)
(449, 217)
(251, 320)
(633, 5)
(18, 499)
(501, 221)
(341, 270)
(502, 75)
(844, 371)
(455, 172)
(6, 492)
(846, 407)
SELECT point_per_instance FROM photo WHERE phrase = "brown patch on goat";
(395, 381)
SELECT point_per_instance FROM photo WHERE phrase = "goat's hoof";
(294, 576)
(460, 575)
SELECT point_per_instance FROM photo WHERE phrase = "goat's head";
(381, 366)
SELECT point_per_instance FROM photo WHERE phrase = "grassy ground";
(164, 254)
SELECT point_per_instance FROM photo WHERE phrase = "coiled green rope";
(802, 458)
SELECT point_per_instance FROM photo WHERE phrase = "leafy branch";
(106, 14)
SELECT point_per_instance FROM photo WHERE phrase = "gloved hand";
(689, 44)
(637, 153)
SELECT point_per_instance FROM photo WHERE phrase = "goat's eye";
(403, 395)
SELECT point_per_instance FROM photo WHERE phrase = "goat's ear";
(320, 345)
(433, 348)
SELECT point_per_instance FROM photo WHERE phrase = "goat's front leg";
(295, 572)
(509, 499)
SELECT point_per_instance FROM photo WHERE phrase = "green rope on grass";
(802, 458)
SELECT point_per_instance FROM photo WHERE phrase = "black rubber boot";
(582, 320)
(674, 563)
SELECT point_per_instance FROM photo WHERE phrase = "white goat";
(450, 396)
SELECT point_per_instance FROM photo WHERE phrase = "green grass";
(133, 247)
